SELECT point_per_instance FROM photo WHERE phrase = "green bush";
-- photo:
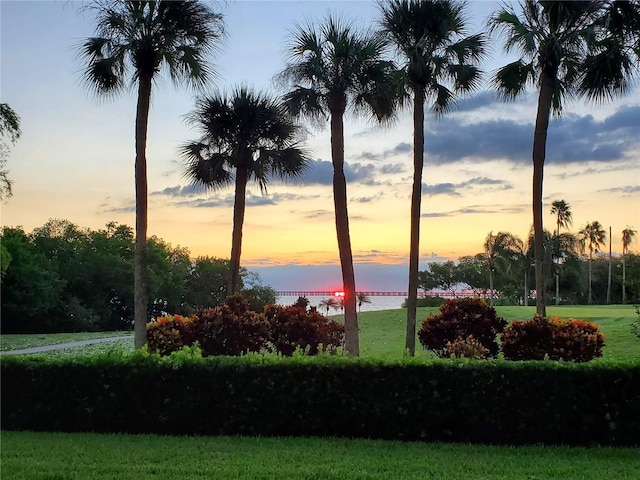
(294, 328)
(466, 348)
(461, 318)
(427, 302)
(453, 400)
(554, 338)
(231, 329)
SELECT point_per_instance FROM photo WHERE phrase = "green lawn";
(28, 455)
(382, 333)
(20, 341)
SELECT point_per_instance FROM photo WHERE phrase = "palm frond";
(511, 80)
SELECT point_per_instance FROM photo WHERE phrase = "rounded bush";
(558, 339)
(461, 318)
(294, 328)
(169, 334)
(466, 348)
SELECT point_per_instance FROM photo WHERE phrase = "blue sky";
(75, 157)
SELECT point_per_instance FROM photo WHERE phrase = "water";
(377, 303)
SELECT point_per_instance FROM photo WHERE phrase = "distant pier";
(332, 293)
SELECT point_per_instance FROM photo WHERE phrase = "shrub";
(231, 329)
(558, 339)
(427, 302)
(169, 334)
(461, 318)
(293, 327)
(466, 348)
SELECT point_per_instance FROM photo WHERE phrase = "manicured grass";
(382, 333)
(28, 455)
(20, 341)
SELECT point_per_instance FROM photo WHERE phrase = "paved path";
(60, 346)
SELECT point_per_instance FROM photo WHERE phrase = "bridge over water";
(332, 293)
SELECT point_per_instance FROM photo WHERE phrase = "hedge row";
(461, 401)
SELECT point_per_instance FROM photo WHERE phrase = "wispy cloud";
(453, 189)
(479, 209)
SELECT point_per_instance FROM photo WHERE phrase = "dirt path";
(60, 346)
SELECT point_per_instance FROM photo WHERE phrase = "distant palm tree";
(592, 236)
(362, 298)
(628, 234)
(562, 211)
(328, 303)
(135, 42)
(501, 244)
(523, 255)
(251, 134)
(430, 37)
(578, 47)
(335, 69)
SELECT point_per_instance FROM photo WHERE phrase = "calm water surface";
(377, 303)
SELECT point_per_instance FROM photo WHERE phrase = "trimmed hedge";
(461, 401)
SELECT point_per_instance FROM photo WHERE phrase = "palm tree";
(496, 246)
(592, 236)
(580, 47)
(430, 37)
(628, 234)
(334, 69)
(135, 42)
(564, 218)
(362, 298)
(250, 133)
(523, 256)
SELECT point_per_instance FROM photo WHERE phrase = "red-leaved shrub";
(462, 318)
(169, 333)
(559, 339)
(293, 327)
(231, 329)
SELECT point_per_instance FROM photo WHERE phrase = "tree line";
(586, 49)
(62, 278)
(575, 273)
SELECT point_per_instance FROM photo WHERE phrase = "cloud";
(320, 172)
(179, 191)
(475, 102)
(571, 139)
(453, 189)
(479, 209)
(390, 168)
(401, 148)
(626, 190)
(367, 199)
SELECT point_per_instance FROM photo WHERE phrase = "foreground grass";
(20, 341)
(28, 455)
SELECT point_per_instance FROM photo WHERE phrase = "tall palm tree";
(502, 244)
(136, 40)
(592, 236)
(578, 47)
(250, 133)
(439, 61)
(628, 234)
(564, 218)
(333, 69)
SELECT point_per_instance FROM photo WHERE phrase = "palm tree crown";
(136, 40)
(251, 134)
(438, 62)
(628, 234)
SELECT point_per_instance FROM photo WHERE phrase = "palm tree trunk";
(239, 205)
(416, 198)
(624, 277)
(590, 261)
(491, 287)
(539, 153)
(558, 264)
(526, 289)
(351, 337)
(609, 277)
(140, 273)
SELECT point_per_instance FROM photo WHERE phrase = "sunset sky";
(75, 157)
